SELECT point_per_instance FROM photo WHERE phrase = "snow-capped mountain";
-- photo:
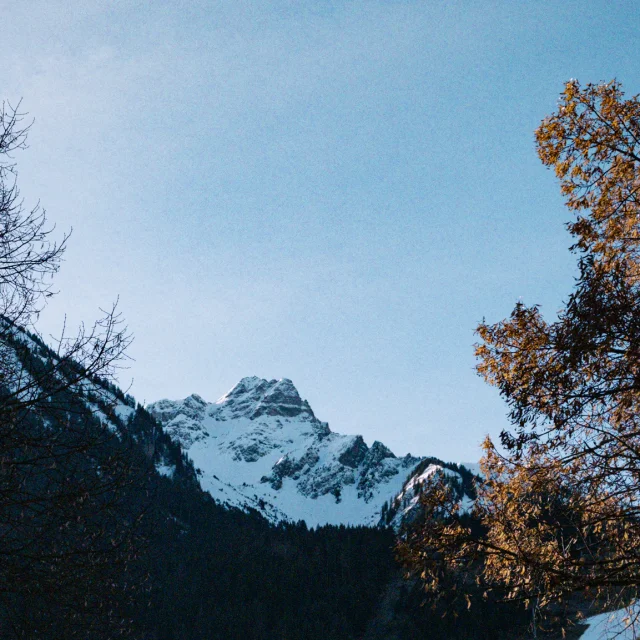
(261, 446)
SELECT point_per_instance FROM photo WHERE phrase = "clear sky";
(333, 192)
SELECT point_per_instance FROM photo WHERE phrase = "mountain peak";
(253, 397)
(246, 385)
(260, 446)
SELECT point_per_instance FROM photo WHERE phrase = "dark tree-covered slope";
(178, 565)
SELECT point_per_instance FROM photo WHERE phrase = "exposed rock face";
(376, 470)
(186, 419)
(288, 467)
(253, 397)
(353, 455)
(263, 440)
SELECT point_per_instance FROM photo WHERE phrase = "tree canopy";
(559, 510)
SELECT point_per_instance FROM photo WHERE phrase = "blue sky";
(334, 192)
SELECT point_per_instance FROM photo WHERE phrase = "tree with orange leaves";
(559, 509)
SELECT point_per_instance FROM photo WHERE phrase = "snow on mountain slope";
(57, 390)
(261, 446)
(622, 624)
(406, 502)
(406, 506)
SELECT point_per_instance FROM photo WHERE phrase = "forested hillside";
(150, 555)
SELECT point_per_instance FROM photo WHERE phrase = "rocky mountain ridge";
(261, 446)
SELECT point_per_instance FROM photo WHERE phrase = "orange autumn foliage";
(559, 509)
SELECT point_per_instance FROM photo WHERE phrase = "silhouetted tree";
(70, 485)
